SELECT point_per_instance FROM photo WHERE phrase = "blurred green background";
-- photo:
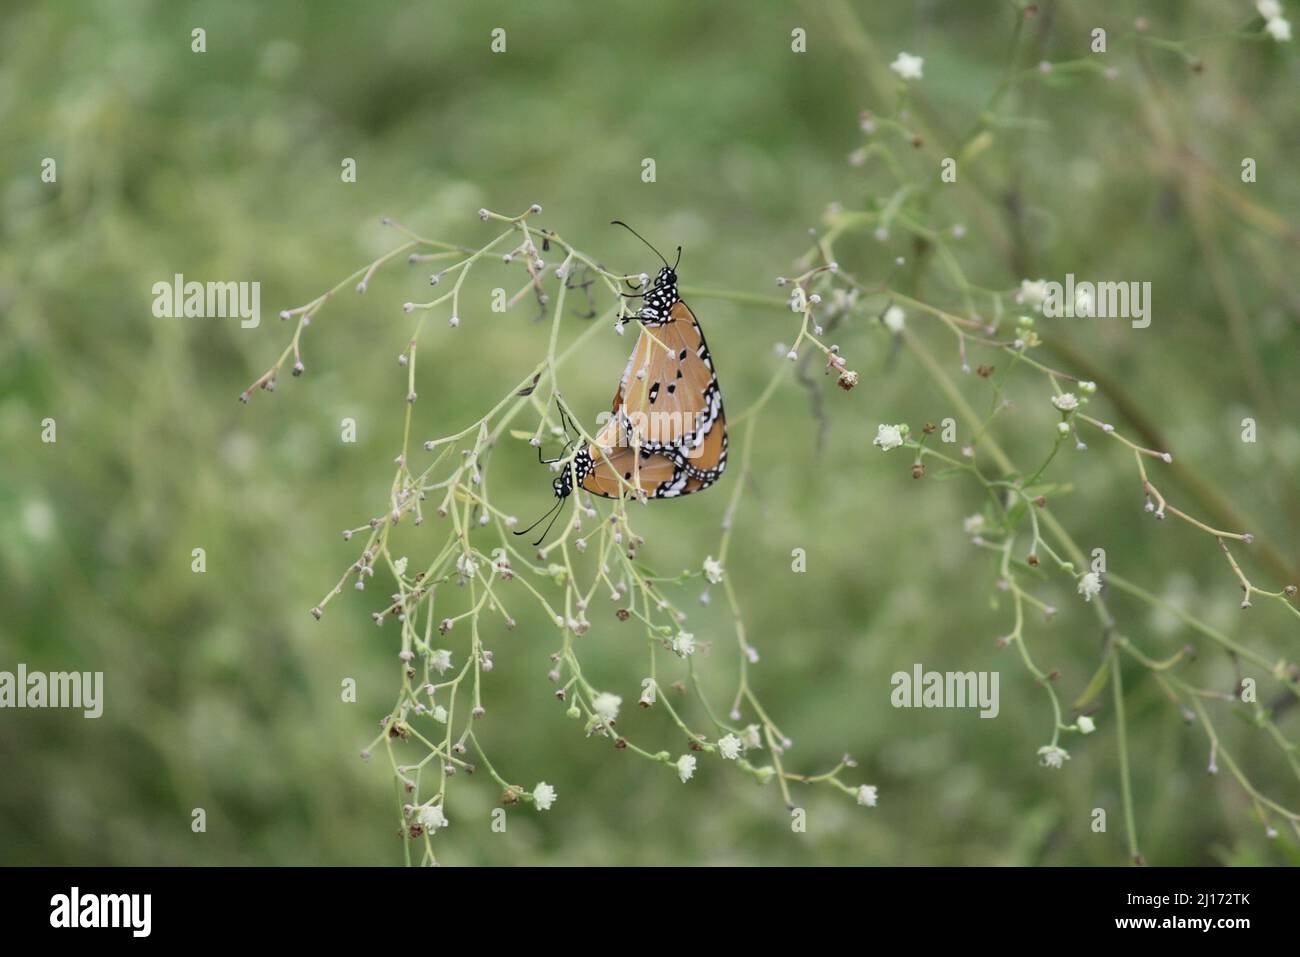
(222, 692)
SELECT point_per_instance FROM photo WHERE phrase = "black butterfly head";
(583, 465)
(563, 484)
(660, 299)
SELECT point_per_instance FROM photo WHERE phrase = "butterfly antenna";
(679, 259)
(619, 222)
(549, 525)
(547, 514)
(566, 419)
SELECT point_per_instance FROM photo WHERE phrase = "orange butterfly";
(667, 436)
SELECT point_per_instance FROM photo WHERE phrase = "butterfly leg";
(565, 423)
(567, 445)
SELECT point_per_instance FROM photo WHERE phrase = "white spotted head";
(663, 295)
(661, 298)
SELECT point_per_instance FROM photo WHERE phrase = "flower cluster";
(447, 605)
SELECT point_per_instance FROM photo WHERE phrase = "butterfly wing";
(670, 395)
(612, 458)
(656, 476)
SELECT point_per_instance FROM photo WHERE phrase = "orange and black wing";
(670, 396)
(615, 465)
(656, 476)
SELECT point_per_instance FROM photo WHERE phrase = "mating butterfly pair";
(667, 436)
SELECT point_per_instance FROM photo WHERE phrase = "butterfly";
(667, 434)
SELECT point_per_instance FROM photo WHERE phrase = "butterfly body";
(667, 434)
(668, 431)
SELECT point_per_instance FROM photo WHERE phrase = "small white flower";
(686, 767)
(1050, 756)
(1032, 292)
(729, 747)
(867, 795)
(894, 317)
(606, 705)
(1268, 9)
(431, 818)
(649, 691)
(1089, 585)
(1066, 401)
(439, 714)
(683, 644)
(973, 524)
(1086, 725)
(1279, 28)
(440, 660)
(543, 796)
(466, 566)
(889, 436)
(908, 66)
(1087, 387)
(399, 566)
(713, 570)
(751, 738)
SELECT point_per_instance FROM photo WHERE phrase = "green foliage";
(223, 693)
